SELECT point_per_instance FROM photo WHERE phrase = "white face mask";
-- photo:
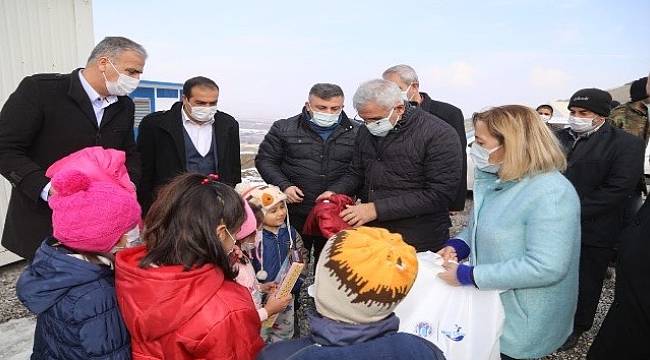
(381, 127)
(248, 246)
(203, 114)
(133, 237)
(405, 94)
(545, 118)
(481, 158)
(324, 119)
(124, 84)
(582, 125)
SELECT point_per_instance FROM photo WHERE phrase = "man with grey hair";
(407, 79)
(406, 168)
(303, 155)
(50, 116)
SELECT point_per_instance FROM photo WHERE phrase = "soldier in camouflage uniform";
(633, 118)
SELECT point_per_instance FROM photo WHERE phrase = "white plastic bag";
(464, 322)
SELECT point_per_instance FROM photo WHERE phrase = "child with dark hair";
(249, 238)
(280, 245)
(178, 293)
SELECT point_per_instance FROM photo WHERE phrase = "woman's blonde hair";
(530, 148)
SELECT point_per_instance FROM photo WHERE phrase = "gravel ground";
(11, 308)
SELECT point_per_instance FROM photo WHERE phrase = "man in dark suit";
(407, 79)
(50, 116)
(604, 164)
(192, 136)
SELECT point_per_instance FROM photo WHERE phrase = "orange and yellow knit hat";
(362, 275)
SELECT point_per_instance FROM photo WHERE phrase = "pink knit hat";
(249, 225)
(90, 215)
(98, 164)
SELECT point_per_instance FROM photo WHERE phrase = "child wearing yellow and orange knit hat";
(361, 276)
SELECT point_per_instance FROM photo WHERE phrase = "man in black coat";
(407, 79)
(305, 154)
(192, 136)
(604, 164)
(406, 168)
(626, 329)
(50, 116)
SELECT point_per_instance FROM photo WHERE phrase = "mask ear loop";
(262, 274)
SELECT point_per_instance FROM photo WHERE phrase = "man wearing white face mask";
(192, 136)
(303, 155)
(50, 116)
(604, 165)
(406, 168)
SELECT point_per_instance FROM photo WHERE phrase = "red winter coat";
(324, 220)
(176, 314)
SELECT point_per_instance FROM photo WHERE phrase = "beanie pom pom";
(69, 182)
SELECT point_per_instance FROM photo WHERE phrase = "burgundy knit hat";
(91, 215)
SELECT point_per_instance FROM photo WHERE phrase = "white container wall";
(39, 36)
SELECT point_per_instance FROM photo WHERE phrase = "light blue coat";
(524, 238)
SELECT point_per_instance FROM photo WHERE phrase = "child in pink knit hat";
(70, 283)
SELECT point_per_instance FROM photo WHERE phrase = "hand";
(357, 215)
(326, 195)
(449, 275)
(268, 287)
(274, 305)
(448, 253)
(294, 194)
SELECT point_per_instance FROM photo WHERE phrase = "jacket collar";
(80, 96)
(328, 332)
(426, 103)
(52, 273)
(588, 143)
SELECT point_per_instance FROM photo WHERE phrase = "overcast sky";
(265, 55)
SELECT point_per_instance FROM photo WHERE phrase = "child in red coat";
(177, 293)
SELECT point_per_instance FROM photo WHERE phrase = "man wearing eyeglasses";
(406, 168)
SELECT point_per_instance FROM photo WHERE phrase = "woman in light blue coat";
(523, 237)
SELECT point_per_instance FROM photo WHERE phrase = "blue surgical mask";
(381, 127)
(481, 158)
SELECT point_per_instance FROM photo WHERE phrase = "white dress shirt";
(98, 102)
(201, 134)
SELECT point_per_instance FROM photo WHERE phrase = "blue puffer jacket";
(339, 341)
(78, 317)
(276, 250)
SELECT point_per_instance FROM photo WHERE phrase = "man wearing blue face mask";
(192, 136)
(303, 155)
(406, 168)
(604, 164)
(50, 116)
